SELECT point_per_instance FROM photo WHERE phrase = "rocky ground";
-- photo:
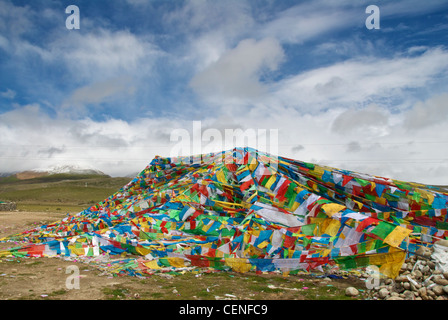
(420, 278)
(7, 206)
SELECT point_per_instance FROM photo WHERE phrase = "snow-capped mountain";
(72, 169)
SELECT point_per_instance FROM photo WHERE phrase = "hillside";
(63, 192)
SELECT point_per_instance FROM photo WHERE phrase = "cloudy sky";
(113, 93)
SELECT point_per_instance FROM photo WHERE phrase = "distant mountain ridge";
(57, 169)
(71, 169)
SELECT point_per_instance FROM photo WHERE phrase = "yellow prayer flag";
(142, 250)
(238, 264)
(333, 227)
(4, 253)
(176, 262)
(220, 176)
(152, 264)
(427, 195)
(246, 237)
(325, 252)
(294, 206)
(270, 182)
(253, 164)
(263, 244)
(332, 208)
(317, 171)
(397, 236)
(392, 269)
(78, 251)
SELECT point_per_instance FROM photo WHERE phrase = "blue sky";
(110, 94)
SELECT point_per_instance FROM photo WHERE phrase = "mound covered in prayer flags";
(245, 210)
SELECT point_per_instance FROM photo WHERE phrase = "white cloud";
(369, 121)
(309, 20)
(15, 20)
(105, 54)
(32, 139)
(428, 113)
(357, 81)
(411, 7)
(107, 91)
(237, 72)
(369, 140)
(8, 94)
(209, 29)
(199, 17)
(98, 92)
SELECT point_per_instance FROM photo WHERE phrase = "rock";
(417, 274)
(431, 264)
(397, 287)
(401, 278)
(394, 298)
(440, 298)
(431, 293)
(351, 292)
(442, 243)
(440, 280)
(445, 289)
(438, 290)
(394, 294)
(426, 269)
(445, 275)
(424, 252)
(408, 295)
(428, 282)
(383, 293)
(406, 285)
(422, 291)
(415, 287)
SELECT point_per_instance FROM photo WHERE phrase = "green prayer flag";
(308, 229)
(383, 229)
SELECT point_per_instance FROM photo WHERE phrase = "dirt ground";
(48, 278)
(40, 278)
